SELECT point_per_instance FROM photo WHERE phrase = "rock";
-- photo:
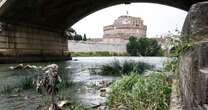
(34, 67)
(28, 67)
(75, 60)
(96, 106)
(63, 103)
(122, 107)
(17, 67)
(21, 66)
(26, 97)
(102, 108)
(205, 106)
(103, 84)
(196, 23)
(54, 107)
(11, 68)
(103, 94)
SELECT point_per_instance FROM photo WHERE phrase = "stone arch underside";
(64, 13)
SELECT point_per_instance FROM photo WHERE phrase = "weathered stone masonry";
(193, 65)
(25, 43)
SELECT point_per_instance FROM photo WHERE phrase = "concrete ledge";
(175, 99)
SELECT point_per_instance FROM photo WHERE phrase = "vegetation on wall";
(143, 47)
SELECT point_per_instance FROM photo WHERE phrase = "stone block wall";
(194, 77)
(20, 42)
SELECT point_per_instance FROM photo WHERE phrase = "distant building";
(123, 28)
(115, 36)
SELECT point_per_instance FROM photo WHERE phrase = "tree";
(143, 47)
(77, 37)
(132, 46)
(85, 38)
(70, 33)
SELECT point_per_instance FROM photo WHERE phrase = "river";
(77, 71)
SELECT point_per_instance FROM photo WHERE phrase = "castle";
(115, 36)
(123, 28)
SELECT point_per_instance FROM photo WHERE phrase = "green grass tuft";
(117, 68)
(27, 83)
(138, 92)
(6, 89)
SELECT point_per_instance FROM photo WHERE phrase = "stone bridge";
(63, 13)
(34, 29)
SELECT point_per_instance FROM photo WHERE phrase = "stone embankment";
(87, 46)
(194, 62)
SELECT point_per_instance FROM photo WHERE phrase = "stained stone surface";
(193, 64)
(196, 23)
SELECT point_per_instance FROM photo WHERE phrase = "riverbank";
(102, 53)
(85, 89)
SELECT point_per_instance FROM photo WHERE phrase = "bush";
(138, 92)
(171, 65)
(143, 47)
(117, 68)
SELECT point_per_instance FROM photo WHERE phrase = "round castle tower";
(123, 28)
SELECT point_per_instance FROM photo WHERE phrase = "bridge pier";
(24, 43)
(193, 64)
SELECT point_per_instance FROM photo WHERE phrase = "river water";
(76, 71)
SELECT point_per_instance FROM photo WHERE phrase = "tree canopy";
(143, 47)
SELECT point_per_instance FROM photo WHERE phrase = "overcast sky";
(159, 19)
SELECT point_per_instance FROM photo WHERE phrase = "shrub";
(141, 92)
(117, 68)
(143, 47)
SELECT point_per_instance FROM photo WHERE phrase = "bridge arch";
(64, 13)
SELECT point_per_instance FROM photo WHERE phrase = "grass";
(27, 83)
(77, 107)
(118, 68)
(138, 92)
(6, 89)
(101, 53)
(65, 84)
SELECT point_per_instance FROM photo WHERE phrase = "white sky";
(159, 19)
